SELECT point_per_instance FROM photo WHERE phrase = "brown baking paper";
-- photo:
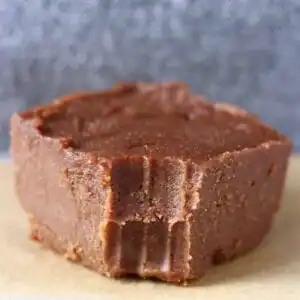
(28, 271)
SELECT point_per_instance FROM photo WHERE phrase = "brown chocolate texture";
(147, 179)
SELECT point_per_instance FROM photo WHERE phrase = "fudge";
(147, 179)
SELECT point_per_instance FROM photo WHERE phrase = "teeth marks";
(146, 176)
(131, 244)
(146, 189)
(194, 182)
(110, 235)
(188, 256)
(178, 247)
(184, 185)
(156, 237)
(154, 242)
(148, 249)
(143, 256)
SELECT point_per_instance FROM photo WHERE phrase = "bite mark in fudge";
(147, 179)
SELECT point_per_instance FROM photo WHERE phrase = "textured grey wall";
(242, 51)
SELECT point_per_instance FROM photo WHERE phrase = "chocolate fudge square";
(147, 179)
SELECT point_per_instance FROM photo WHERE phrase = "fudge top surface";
(161, 120)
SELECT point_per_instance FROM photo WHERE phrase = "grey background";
(240, 51)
